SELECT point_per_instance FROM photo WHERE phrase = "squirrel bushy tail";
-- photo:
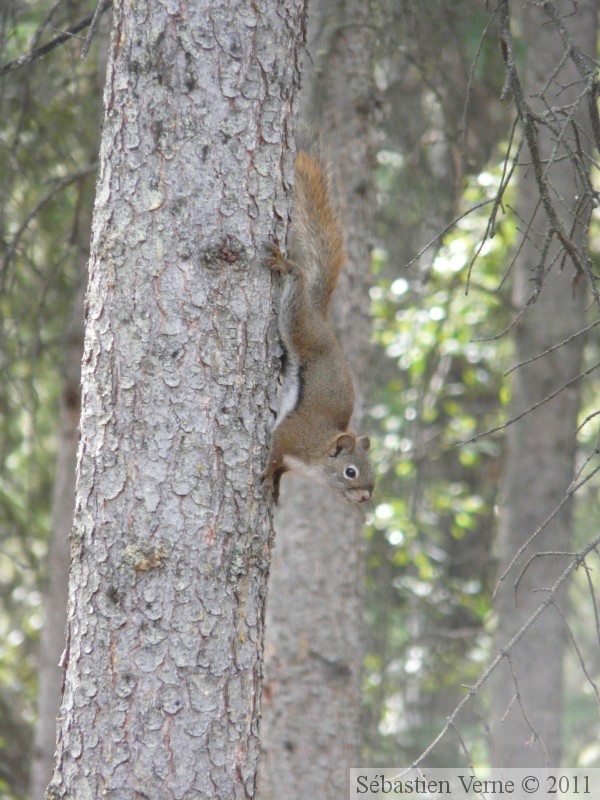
(316, 228)
(311, 434)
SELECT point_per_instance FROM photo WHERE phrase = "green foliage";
(429, 568)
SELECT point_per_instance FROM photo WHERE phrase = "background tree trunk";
(55, 606)
(540, 458)
(310, 729)
(171, 544)
(52, 640)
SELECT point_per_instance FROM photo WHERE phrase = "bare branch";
(93, 25)
(491, 668)
(530, 562)
(531, 408)
(535, 737)
(593, 596)
(57, 187)
(553, 348)
(580, 261)
(568, 495)
(578, 651)
(584, 64)
(58, 40)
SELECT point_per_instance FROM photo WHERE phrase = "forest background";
(484, 306)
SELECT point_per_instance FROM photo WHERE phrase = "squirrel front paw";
(270, 482)
(276, 260)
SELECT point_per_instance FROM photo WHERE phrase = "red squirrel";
(311, 435)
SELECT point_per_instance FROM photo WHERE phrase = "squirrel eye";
(350, 473)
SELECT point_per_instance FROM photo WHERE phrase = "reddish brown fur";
(317, 228)
(308, 433)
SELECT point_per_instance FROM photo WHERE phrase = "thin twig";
(491, 668)
(553, 348)
(574, 487)
(445, 230)
(578, 651)
(593, 596)
(57, 187)
(568, 553)
(584, 64)
(58, 40)
(529, 120)
(535, 737)
(531, 408)
(92, 30)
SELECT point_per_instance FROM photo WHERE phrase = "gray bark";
(171, 545)
(310, 729)
(540, 448)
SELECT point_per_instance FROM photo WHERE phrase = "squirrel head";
(344, 467)
(348, 469)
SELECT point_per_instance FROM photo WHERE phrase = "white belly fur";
(290, 389)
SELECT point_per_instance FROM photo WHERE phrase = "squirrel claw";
(270, 483)
(275, 258)
(266, 479)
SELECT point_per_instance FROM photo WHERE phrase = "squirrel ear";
(344, 443)
(364, 442)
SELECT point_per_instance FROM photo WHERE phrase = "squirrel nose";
(364, 496)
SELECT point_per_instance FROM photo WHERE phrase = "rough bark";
(527, 696)
(171, 544)
(310, 729)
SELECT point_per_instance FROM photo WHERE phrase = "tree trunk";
(52, 640)
(310, 730)
(171, 544)
(55, 604)
(540, 448)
